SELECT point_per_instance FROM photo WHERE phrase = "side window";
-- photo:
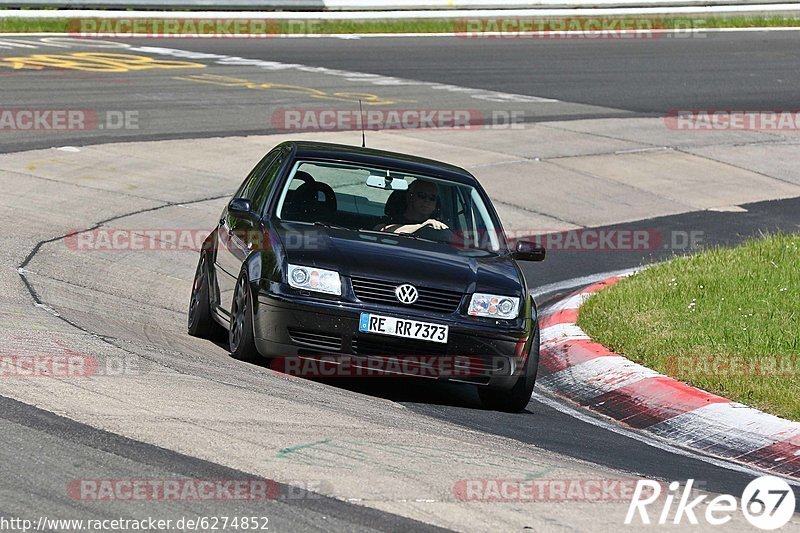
(464, 215)
(249, 187)
(468, 222)
(267, 182)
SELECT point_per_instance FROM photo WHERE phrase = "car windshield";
(367, 199)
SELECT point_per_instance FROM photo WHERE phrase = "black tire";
(517, 398)
(200, 322)
(241, 340)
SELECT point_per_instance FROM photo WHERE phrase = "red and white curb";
(574, 367)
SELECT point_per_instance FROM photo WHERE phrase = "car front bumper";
(325, 332)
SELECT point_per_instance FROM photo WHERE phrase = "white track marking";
(583, 280)
(612, 426)
(558, 333)
(744, 429)
(572, 303)
(597, 376)
(363, 77)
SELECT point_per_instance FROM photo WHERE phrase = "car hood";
(393, 258)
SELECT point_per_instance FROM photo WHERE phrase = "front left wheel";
(516, 399)
(241, 340)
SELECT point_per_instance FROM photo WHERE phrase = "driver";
(421, 198)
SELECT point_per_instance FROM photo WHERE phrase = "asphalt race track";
(224, 96)
(589, 78)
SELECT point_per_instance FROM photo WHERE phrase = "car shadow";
(411, 390)
(419, 394)
(405, 390)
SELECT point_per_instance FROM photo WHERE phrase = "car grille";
(382, 292)
(380, 345)
(316, 339)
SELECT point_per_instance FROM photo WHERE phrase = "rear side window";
(352, 196)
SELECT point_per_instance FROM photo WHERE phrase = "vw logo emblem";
(406, 293)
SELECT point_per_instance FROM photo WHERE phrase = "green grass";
(62, 25)
(739, 305)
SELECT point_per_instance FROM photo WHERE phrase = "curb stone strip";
(574, 367)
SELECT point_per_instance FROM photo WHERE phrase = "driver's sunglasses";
(426, 196)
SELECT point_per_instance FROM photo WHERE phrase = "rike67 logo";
(767, 502)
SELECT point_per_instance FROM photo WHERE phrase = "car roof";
(372, 157)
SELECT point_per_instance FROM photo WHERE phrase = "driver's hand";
(435, 224)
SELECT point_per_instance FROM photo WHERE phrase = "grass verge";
(725, 320)
(295, 27)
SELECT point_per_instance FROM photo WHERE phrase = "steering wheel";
(438, 235)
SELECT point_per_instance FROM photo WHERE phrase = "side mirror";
(240, 207)
(528, 251)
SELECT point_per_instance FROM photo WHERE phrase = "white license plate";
(401, 327)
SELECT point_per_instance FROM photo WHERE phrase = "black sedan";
(372, 263)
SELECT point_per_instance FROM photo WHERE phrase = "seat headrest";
(312, 207)
(303, 176)
(395, 204)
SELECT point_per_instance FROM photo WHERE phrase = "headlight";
(493, 306)
(315, 279)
